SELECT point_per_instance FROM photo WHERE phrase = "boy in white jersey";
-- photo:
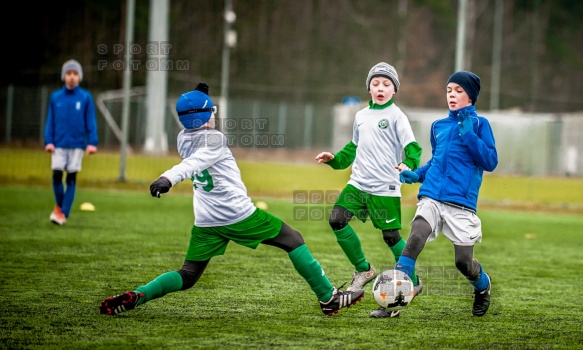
(381, 135)
(223, 212)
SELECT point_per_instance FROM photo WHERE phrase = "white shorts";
(461, 227)
(67, 159)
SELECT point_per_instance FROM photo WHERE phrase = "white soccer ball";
(393, 290)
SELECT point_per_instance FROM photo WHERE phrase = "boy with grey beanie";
(382, 145)
(70, 133)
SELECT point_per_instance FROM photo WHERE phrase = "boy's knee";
(288, 239)
(420, 226)
(391, 237)
(71, 178)
(191, 272)
(188, 279)
(339, 218)
(57, 176)
(337, 223)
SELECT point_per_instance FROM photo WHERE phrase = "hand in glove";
(162, 185)
(408, 176)
(465, 122)
(202, 87)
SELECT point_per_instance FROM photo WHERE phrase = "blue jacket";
(454, 172)
(71, 119)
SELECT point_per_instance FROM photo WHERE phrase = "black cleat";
(341, 299)
(381, 312)
(120, 303)
(482, 300)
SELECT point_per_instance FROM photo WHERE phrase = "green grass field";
(53, 278)
(280, 179)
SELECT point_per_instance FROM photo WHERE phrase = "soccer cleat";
(57, 217)
(341, 299)
(482, 300)
(381, 312)
(360, 279)
(120, 303)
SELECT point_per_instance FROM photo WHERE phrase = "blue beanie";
(72, 65)
(194, 109)
(469, 82)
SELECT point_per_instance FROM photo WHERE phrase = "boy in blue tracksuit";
(70, 132)
(462, 147)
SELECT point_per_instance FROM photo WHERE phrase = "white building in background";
(527, 144)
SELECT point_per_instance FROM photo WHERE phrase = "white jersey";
(381, 136)
(220, 197)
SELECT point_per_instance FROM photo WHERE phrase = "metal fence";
(250, 123)
(527, 144)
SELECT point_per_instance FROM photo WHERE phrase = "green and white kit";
(209, 163)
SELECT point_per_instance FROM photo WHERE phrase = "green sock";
(397, 250)
(350, 244)
(312, 272)
(165, 283)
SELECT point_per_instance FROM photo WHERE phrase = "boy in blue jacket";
(70, 132)
(462, 147)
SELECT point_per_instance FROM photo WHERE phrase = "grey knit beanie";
(383, 69)
(72, 65)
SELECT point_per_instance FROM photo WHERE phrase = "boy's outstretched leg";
(120, 303)
(482, 297)
(474, 273)
(351, 246)
(341, 299)
(397, 244)
(420, 230)
(331, 299)
(168, 282)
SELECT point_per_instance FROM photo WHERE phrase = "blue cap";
(194, 109)
(469, 82)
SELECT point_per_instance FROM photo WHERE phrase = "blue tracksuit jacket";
(454, 172)
(71, 119)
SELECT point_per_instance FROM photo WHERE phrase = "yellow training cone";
(87, 206)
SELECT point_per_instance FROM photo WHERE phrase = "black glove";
(162, 185)
(202, 87)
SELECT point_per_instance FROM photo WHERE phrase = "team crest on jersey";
(383, 123)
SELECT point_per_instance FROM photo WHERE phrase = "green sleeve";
(412, 155)
(344, 158)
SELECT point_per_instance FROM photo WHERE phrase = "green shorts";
(384, 212)
(207, 242)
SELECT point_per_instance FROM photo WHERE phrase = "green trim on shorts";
(383, 211)
(207, 242)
